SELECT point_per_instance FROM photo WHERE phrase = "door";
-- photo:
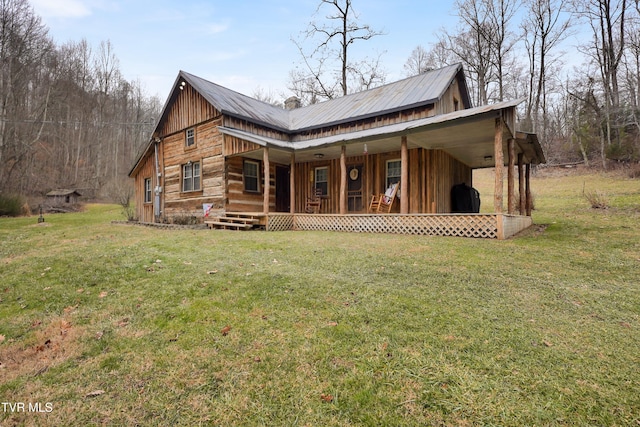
(354, 188)
(283, 189)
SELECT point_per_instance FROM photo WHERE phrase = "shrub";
(11, 205)
(598, 199)
(185, 220)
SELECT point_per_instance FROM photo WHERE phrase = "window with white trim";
(190, 137)
(322, 180)
(394, 170)
(191, 177)
(251, 176)
(147, 190)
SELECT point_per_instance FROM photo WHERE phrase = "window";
(191, 177)
(190, 138)
(322, 180)
(147, 190)
(251, 176)
(394, 170)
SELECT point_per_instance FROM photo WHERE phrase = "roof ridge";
(409, 92)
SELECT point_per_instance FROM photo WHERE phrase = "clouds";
(241, 45)
(216, 28)
(62, 8)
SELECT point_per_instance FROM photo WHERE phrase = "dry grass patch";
(49, 345)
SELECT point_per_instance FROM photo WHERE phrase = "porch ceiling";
(467, 135)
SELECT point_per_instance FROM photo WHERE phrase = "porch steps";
(233, 221)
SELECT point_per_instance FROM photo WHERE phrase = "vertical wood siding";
(432, 173)
(144, 211)
(188, 109)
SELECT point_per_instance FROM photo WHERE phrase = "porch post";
(292, 184)
(522, 202)
(499, 166)
(343, 180)
(511, 192)
(404, 176)
(267, 186)
(527, 177)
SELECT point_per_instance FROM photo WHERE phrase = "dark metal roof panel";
(415, 91)
(237, 104)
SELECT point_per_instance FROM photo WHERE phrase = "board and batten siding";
(432, 174)
(146, 170)
(188, 109)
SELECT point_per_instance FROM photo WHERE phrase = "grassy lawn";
(104, 324)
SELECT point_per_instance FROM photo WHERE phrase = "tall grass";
(123, 325)
(11, 205)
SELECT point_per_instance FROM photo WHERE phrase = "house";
(233, 154)
(62, 197)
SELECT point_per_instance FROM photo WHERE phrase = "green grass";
(122, 325)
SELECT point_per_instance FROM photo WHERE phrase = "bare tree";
(418, 62)
(471, 44)
(501, 38)
(544, 28)
(607, 20)
(24, 94)
(421, 60)
(332, 41)
(266, 95)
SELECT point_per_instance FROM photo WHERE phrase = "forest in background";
(582, 101)
(69, 119)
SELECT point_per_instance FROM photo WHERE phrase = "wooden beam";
(292, 184)
(511, 188)
(500, 227)
(404, 176)
(343, 180)
(522, 202)
(499, 166)
(267, 178)
(527, 178)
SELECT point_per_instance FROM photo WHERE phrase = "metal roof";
(237, 104)
(62, 192)
(411, 92)
(472, 140)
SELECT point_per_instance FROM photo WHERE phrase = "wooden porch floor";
(489, 226)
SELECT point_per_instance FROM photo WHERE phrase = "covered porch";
(434, 153)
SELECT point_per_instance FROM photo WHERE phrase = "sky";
(244, 45)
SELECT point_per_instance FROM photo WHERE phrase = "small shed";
(62, 197)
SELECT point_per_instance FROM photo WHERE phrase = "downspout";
(158, 188)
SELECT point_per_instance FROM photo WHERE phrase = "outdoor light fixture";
(318, 155)
(366, 151)
(182, 85)
(488, 158)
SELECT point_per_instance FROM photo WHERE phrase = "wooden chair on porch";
(314, 202)
(384, 202)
